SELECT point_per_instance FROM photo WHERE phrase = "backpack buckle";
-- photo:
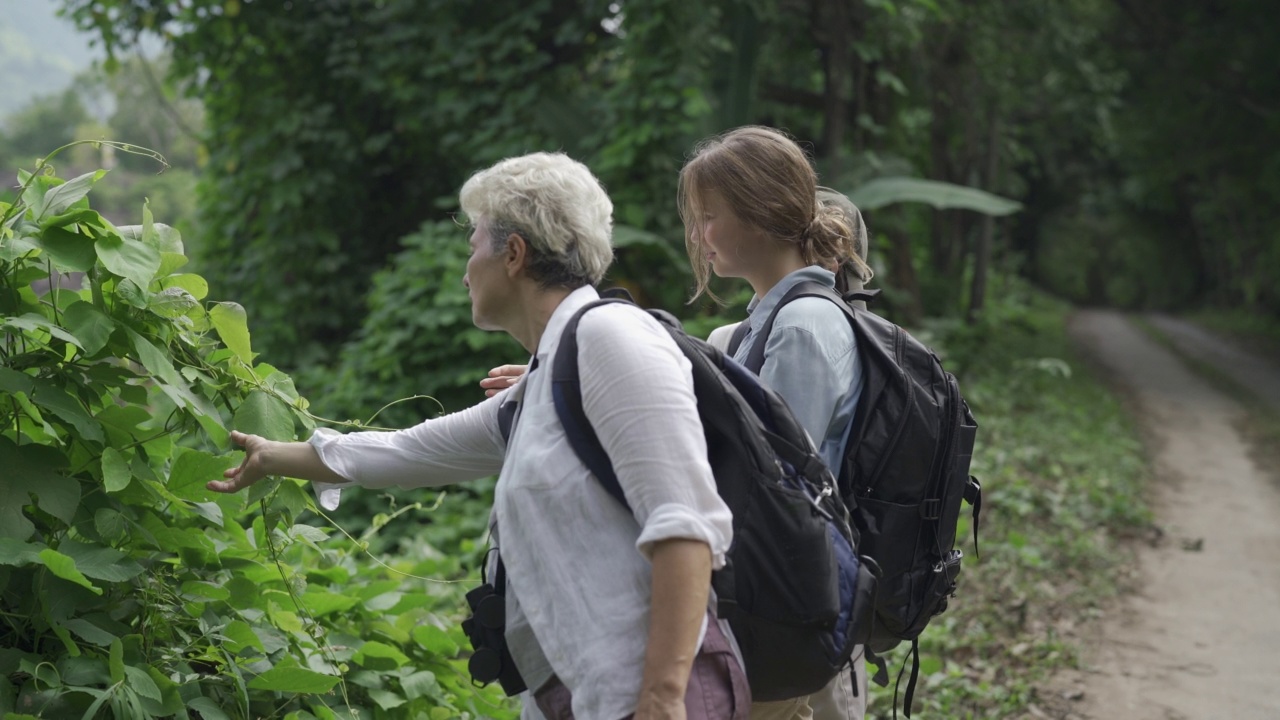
(931, 509)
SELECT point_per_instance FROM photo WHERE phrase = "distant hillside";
(39, 52)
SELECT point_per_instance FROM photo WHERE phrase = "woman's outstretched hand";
(251, 469)
(263, 457)
(501, 378)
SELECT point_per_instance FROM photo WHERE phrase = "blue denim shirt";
(811, 360)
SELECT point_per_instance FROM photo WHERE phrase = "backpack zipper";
(902, 422)
(953, 431)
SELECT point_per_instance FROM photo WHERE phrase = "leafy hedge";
(128, 589)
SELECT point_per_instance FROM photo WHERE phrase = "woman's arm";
(637, 393)
(681, 585)
(263, 457)
(458, 447)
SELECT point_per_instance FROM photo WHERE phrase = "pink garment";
(717, 685)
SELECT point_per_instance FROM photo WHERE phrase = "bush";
(129, 590)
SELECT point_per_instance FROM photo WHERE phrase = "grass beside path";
(1256, 331)
(1063, 476)
(1260, 424)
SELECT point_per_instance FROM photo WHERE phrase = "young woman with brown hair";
(750, 207)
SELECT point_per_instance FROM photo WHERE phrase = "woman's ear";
(515, 255)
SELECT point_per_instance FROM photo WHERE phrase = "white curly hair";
(556, 205)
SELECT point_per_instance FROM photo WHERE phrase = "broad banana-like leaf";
(942, 195)
(624, 235)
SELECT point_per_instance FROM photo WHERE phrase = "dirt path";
(1201, 638)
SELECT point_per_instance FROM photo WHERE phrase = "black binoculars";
(491, 660)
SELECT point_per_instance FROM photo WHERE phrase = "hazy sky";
(39, 51)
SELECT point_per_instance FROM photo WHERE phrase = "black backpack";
(794, 591)
(905, 471)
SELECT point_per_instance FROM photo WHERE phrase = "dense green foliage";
(128, 589)
(1137, 136)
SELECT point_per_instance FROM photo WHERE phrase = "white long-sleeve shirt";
(576, 560)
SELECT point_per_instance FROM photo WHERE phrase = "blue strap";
(566, 393)
(507, 411)
(807, 288)
(739, 334)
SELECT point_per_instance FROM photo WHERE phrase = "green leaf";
(171, 302)
(200, 590)
(16, 247)
(136, 261)
(294, 680)
(87, 216)
(64, 405)
(210, 511)
(232, 324)
(32, 322)
(115, 470)
(128, 292)
(380, 656)
(245, 593)
(265, 415)
(110, 524)
(140, 682)
(116, 662)
(155, 361)
(170, 261)
(308, 533)
(12, 381)
(193, 284)
(321, 603)
(56, 200)
(69, 251)
(89, 632)
(193, 469)
(33, 470)
(89, 325)
(208, 709)
(240, 636)
(168, 239)
(65, 568)
(435, 640)
(386, 699)
(419, 684)
(100, 562)
(942, 195)
(16, 552)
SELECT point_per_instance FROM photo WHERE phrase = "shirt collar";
(760, 308)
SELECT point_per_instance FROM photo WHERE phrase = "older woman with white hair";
(606, 608)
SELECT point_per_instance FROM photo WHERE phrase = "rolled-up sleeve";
(637, 392)
(461, 446)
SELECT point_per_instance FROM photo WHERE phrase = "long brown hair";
(769, 182)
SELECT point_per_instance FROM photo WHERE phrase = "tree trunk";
(902, 272)
(982, 253)
(837, 72)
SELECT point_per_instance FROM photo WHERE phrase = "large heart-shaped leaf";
(942, 195)
(89, 325)
(32, 470)
(131, 259)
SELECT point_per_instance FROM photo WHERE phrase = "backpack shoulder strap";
(566, 393)
(808, 288)
(739, 334)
